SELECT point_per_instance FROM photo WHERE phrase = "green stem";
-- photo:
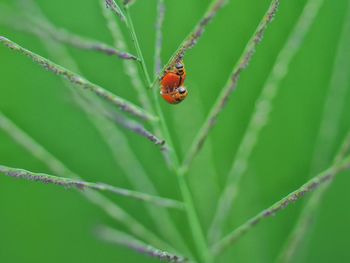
(137, 47)
(78, 80)
(120, 238)
(260, 116)
(230, 86)
(310, 186)
(56, 166)
(192, 217)
(193, 220)
(81, 185)
(192, 38)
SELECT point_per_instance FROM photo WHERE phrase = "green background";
(44, 223)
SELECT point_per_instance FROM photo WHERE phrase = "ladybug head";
(179, 66)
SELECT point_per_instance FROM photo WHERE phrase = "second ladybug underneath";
(172, 89)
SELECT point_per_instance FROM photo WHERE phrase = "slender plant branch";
(230, 86)
(132, 72)
(173, 160)
(80, 81)
(129, 68)
(40, 26)
(329, 129)
(77, 41)
(136, 128)
(116, 118)
(134, 38)
(193, 219)
(116, 9)
(57, 167)
(81, 185)
(120, 238)
(159, 37)
(307, 215)
(261, 114)
(310, 186)
(191, 213)
(192, 39)
(164, 220)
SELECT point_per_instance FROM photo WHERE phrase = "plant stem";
(57, 167)
(310, 186)
(116, 9)
(260, 116)
(159, 37)
(231, 85)
(137, 47)
(192, 38)
(120, 238)
(80, 81)
(81, 185)
(191, 213)
(334, 107)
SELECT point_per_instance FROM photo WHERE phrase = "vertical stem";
(192, 216)
(159, 37)
(137, 47)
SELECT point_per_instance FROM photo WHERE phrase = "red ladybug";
(172, 89)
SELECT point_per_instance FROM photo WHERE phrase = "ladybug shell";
(170, 99)
(172, 80)
(175, 96)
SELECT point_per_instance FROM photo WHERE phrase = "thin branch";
(80, 81)
(307, 215)
(41, 28)
(135, 41)
(164, 221)
(77, 41)
(117, 142)
(132, 72)
(57, 167)
(120, 238)
(81, 185)
(260, 116)
(192, 39)
(129, 68)
(122, 121)
(136, 128)
(116, 9)
(159, 37)
(186, 195)
(310, 186)
(192, 217)
(230, 86)
(335, 106)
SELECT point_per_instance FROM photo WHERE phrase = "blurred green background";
(44, 223)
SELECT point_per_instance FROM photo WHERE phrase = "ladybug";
(172, 89)
(174, 96)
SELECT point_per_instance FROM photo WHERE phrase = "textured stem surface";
(310, 186)
(80, 81)
(230, 86)
(261, 115)
(81, 185)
